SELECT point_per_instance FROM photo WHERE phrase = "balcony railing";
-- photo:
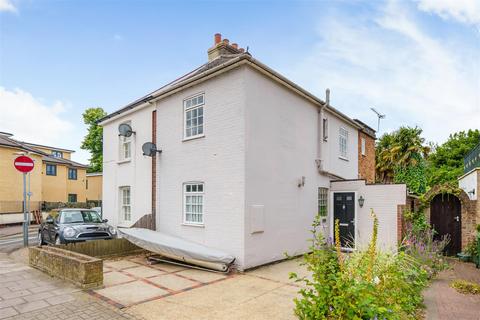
(472, 159)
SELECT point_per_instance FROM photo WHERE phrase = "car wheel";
(57, 240)
(40, 239)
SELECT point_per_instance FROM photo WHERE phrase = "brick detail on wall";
(366, 163)
(154, 171)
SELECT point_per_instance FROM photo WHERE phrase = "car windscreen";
(80, 216)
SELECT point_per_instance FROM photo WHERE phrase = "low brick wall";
(79, 269)
(103, 248)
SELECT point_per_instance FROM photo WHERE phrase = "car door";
(45, 229)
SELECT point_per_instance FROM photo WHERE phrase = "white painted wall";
(218, 160)
(469, 182)
(346, 168)
(135, 173)
(383, 199)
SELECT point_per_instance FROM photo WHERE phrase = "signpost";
(24, 164)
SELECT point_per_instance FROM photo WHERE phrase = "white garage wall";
(383, 199)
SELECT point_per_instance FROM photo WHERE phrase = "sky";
(417, 61)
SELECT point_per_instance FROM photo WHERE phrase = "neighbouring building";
(55, 177)
(248, 159)
(366, 152)
(94, 186)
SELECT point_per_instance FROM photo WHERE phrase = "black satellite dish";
(149, 149)
(125, 130)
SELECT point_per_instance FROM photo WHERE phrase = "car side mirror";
(105, 220)
(49, 220)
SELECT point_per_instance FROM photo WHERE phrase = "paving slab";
(144, 272)
(173, 282)
(115, 277)
(202, 276)
(132, 292)
(167, 267)
(120, 264)
(7, 312)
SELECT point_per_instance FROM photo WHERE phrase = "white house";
(248, 159)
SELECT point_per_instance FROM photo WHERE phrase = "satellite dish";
(149, 149)
(125, 130)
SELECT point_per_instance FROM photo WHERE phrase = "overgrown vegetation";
(465, 287)
(367, 284)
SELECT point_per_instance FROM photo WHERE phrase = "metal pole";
(25, 218)
(28, 205)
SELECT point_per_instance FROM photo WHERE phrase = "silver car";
(74, 225)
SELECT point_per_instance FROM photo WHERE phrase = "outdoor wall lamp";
(301, 182)
(361, 201)
(472, 192)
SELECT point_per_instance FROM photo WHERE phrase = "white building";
(247, 161)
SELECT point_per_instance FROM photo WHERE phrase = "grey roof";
(366, 129)
(215, 65)
(9, 142)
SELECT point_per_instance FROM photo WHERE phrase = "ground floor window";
(323, 202)
(193, 202)
(72, 197)
(125, 203)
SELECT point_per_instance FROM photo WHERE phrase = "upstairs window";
(193, 115)
(125, 147)
(325, 129)
(125, 204)
(343, 143)
(362, 146)
(51, 170)
(193, 201)
(72, 174)
(57, 154)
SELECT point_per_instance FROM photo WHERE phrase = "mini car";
(74, 225)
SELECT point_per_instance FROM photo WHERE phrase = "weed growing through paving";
(359, 285)
(465, 287)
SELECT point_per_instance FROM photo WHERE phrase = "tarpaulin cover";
(174, 247)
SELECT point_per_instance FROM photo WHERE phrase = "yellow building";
(94, 186)
(55, 177)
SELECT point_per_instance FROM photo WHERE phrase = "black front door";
(344, 211)
(446, 219)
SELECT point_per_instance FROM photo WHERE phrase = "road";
(15, 241)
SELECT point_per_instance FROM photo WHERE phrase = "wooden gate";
(446, 219)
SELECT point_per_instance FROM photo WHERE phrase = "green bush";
(359, 285)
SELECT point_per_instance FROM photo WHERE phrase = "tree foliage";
(400, 157)
(445, 164)
(93, 141)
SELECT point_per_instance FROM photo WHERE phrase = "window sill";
(194, 137)
(343, 158)
(124, 161)
(196, 225)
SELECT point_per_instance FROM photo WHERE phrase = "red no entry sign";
(23, 164)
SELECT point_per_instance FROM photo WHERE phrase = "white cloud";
(7, 5)
(389, 62)
(117, 37)
(30, 119)
(465, 11)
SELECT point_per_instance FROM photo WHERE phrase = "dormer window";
(57, 154)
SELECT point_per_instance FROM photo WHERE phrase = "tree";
(445, 164)
(93, 141)
(401, 153)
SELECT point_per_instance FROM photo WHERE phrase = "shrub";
(360, 285)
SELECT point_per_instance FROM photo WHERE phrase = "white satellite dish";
(125, 130)
(149, 149)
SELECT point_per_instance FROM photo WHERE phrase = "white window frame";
(363, 146)
(343, 143)
(193, 106)
(194, 203)
(57, 154)
(323, 201)
(125, 206)
(123, 144)
(325, 129)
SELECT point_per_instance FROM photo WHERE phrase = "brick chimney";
(221, 47)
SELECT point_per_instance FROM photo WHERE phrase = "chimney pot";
(226, 41)
(218, 38)
(235, 45)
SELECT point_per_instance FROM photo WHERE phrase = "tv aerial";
(125, 130)
(380, 117)
(150, 149)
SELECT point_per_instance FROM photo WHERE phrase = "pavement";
(443, 302)
(26, 293)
